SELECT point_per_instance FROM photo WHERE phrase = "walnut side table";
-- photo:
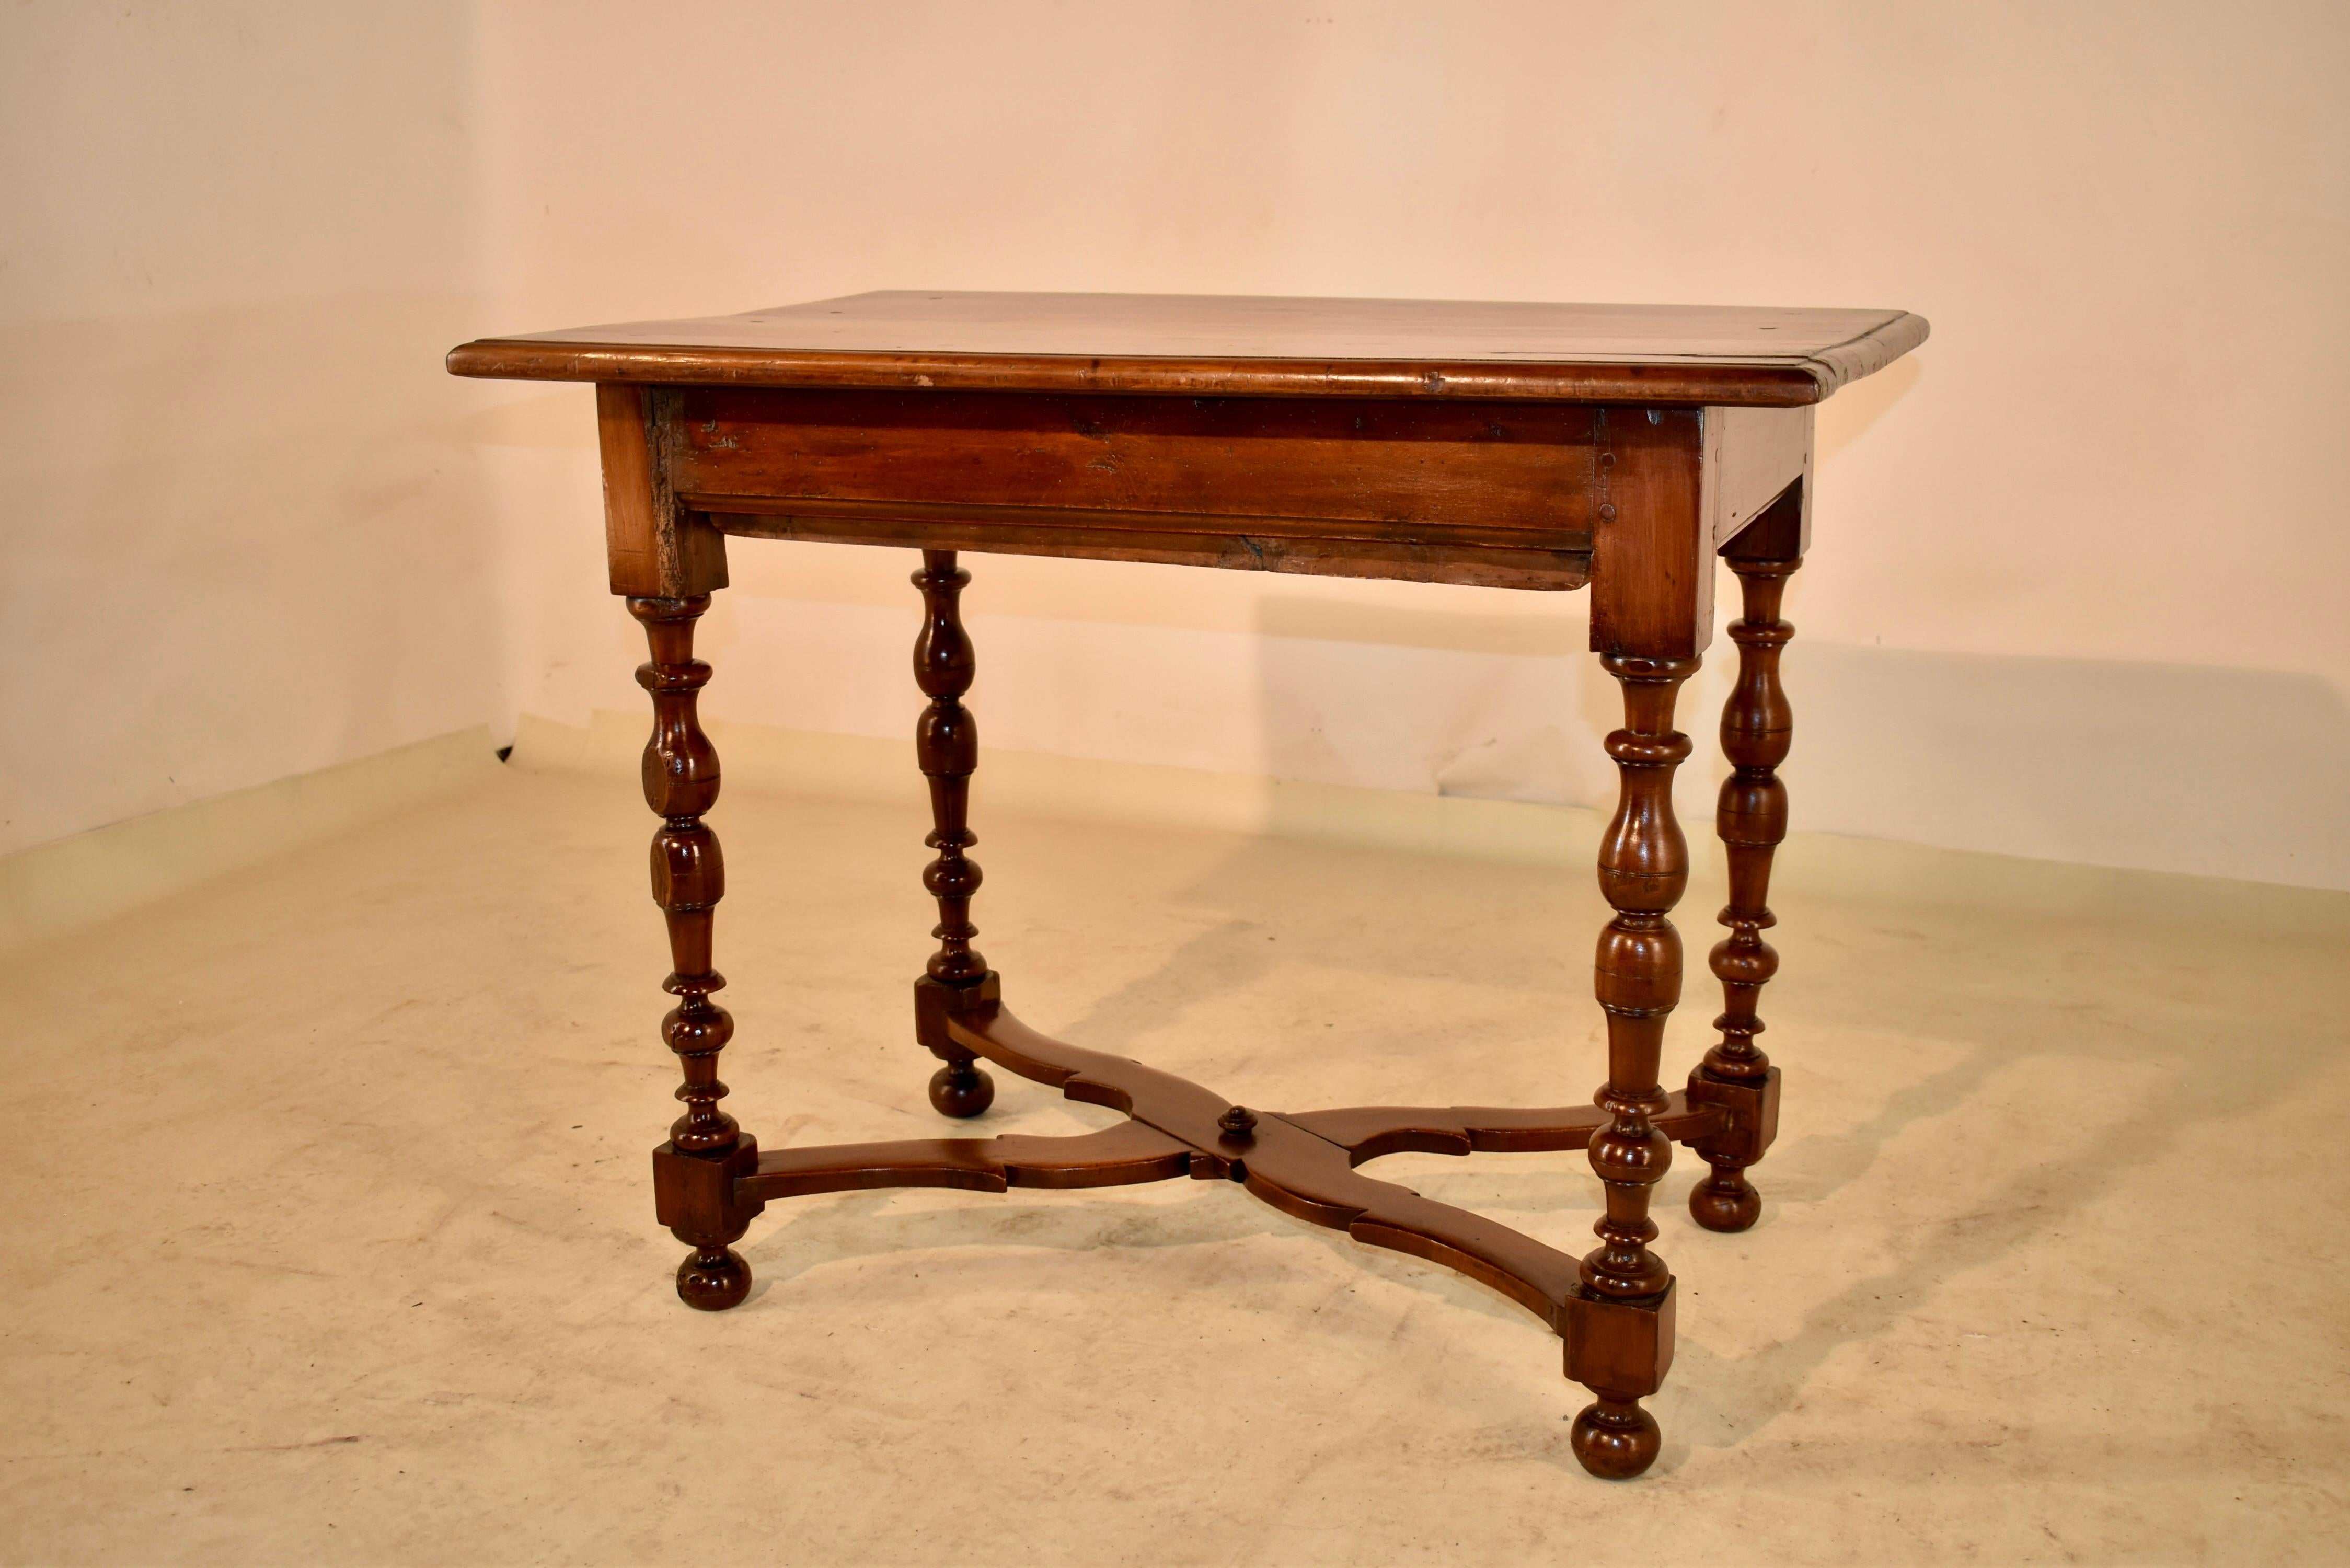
(1518, 446)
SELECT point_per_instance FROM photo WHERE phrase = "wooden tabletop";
(1234, 345)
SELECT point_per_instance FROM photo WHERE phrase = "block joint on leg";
(694, 1195)
(1620, 1350)
(961, 1088)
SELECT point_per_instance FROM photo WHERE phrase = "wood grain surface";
(1489, 494)
(1235, 345)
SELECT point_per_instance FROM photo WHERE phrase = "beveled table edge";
(1784, 383)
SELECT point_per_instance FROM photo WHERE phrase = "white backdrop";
(2074, 589)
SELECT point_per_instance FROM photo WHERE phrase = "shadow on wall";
(2111, 763)
(1846, 417)
(2217, 773)
(1431, 703)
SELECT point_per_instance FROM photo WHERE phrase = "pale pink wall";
(241, 535)
(2075, 591)
(2080, 561)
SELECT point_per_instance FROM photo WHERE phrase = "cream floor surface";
(328, 1233)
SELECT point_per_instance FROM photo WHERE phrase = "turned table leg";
(693, 1173)
(1756, 729)
(1622, 1338)
(946, 745)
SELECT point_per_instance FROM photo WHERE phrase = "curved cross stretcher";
(1302, 1163)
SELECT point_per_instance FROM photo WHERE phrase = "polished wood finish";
(1522, 446)
(1652, 565)
(1234, 345)
(1643, 868)
(1757, 728)
(1498, 493)
(946, 748)
(1302, 1163)
(689, 877)
(689, 874)
(1360, 468)
(1077, 536)
(1121, 1156)
(1526, 495)
(1370, 1132)
(1291, 1162)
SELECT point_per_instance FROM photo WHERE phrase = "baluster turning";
(946, 746)
(1643, 867)
(689, 877)
(1757, 727)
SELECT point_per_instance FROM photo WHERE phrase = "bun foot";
(1615, 1439)
(1725, 1200)
(960, 1090)
(713, 1279)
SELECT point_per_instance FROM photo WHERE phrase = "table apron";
(1510, 476)
(1530, 495)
